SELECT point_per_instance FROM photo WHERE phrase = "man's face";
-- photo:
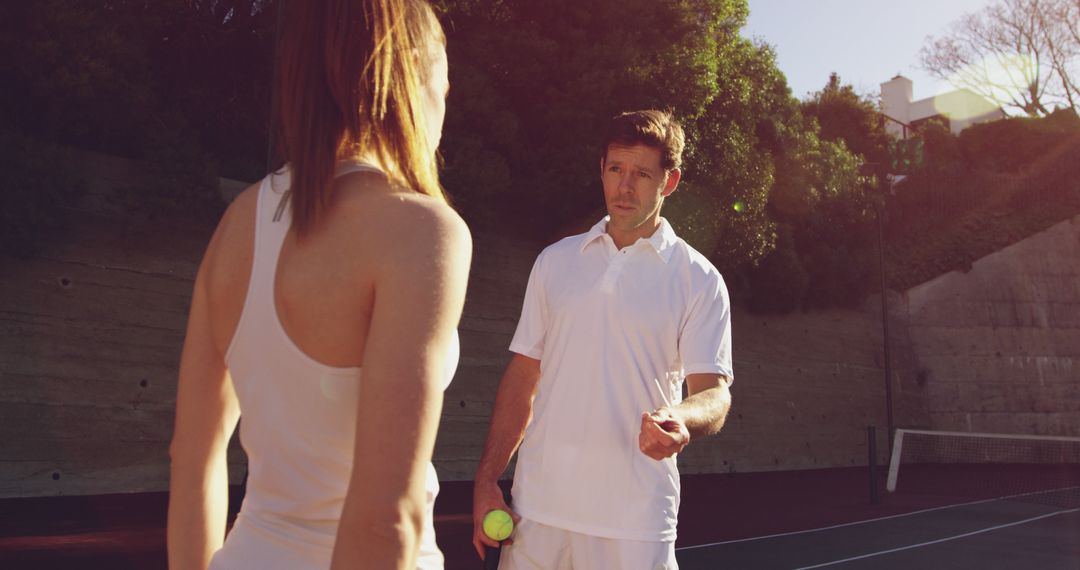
(635, 186)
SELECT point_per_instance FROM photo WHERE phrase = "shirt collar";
(662, 241)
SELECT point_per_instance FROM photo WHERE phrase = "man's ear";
(672, 182)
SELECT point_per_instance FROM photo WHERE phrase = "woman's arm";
(206, 414)
(421, 268)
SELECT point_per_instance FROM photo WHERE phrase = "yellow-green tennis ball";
(739, 206)
(498, 525)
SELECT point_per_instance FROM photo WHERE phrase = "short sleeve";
(705, 339)
(532, 326)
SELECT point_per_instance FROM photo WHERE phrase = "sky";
(866, 41)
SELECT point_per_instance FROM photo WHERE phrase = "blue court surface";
(985, 535)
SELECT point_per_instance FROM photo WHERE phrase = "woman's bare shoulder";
(232, 245)
(401, 221)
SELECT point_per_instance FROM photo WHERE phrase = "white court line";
(940, 540)
(841, 525)
(864, 521)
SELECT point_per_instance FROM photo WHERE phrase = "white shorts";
(541, 547)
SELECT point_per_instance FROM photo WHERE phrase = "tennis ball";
(498, 525)
(739, 206)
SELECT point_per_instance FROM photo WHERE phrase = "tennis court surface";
(1006, 502)
(994, 533)
(960, 501)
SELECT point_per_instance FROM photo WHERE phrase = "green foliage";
(955, 208)
(905, 155)
(775, 192)
(172, 82)
(527, 110)
(37, 193)
(78, 73)
(779, 281)
(730, 160)
(844, 115)
(824, 199)
(938, 185)
(833, 229)
(528, 106)
(942, 155)
(212, 75)
(1013, 144)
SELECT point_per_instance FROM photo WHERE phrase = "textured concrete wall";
(998, 347)
(807, 386)
(90, 337)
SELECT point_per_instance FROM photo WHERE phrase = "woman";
(349, 257)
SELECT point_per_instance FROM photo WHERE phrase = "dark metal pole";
(885, 329)
(871, 444)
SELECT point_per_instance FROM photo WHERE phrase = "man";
(613, 321)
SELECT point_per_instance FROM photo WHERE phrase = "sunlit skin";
(635, 186)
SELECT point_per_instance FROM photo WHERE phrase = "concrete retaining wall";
(998, 347)
(90, 336)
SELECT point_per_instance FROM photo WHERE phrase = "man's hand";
(486, 498)
(663, 434)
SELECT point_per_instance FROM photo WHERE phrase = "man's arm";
(703, 412)
(666, 431)
(513, 410)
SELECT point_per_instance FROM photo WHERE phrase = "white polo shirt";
(616, 332)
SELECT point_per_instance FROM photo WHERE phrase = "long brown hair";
(348, 83)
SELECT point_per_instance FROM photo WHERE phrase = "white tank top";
(298, 419)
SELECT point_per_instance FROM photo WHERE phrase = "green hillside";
(984, 211)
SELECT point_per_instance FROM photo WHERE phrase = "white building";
(957, 109)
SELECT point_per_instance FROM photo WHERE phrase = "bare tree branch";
(1015, 53)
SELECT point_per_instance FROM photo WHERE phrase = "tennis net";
(1039, 469)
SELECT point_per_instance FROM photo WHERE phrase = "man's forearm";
(504, 435)
(704, 412)
(513, 409)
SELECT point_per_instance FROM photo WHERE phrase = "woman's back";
(294, 355)
(323, 286)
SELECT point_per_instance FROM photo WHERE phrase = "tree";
(74, 72)
(844, 115)
(721, 207)
(1017, 53)
(1060, 22)
(528, 108)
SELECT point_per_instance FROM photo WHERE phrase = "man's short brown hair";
(657, 129)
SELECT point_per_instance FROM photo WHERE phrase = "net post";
(894, 461)
(871, 441)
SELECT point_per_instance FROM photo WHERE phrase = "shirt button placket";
(613, 270)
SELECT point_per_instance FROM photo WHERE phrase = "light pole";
(882, 183)
(885, 326)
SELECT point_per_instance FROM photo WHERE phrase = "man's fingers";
(484, 506)
(651, 435)
(661, 435)
(656, 443)
(481, 540)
